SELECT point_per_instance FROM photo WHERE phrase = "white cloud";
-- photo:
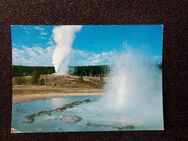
(79, 57)
(24, 28)
(41, 30)
(43, 33)
(35, 56)
(50, 42)
(38, 56)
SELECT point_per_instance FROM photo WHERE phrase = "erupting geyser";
(63, 37)
(133, 93)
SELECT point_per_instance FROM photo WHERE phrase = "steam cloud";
(133, 94)
(135, 89)
(63, 37)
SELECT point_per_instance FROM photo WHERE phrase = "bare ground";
(37, 96)
(56, 87)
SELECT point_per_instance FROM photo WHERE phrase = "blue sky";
(33, 45)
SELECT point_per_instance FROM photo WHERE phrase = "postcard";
(80, 78)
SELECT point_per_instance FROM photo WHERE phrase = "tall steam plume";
(63, 37)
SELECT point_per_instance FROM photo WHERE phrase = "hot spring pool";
(71, 114)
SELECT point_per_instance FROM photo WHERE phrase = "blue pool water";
(82, 117)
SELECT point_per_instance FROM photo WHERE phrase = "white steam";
(132, 94)
(135, 89)
(63, 37)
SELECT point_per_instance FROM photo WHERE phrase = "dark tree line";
(30, 70)
(99, 71)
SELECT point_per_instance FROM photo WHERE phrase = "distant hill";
(29, 70)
